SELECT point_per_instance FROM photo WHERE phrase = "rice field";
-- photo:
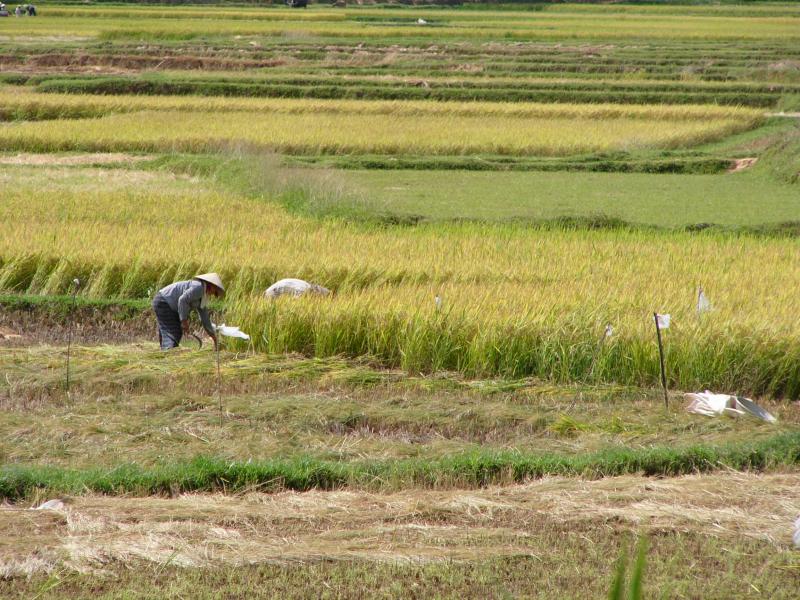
(180, 23)
(430, 86)
(517, 302)
(21, 104)
(673, 200)
(476, 410)
(336, 127)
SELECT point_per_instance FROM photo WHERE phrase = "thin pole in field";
(607, 333)
(661, 359)
(76, 283)
(219, 380)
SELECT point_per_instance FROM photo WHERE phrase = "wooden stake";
(219, 381)
(75, 284)
(661, 358)
(600, 345)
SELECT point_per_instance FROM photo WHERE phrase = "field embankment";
(31, 320)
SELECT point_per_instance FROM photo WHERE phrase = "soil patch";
(9, 334)
(21, 327)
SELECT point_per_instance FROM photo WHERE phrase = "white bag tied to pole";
(230, 331)
(703, 304)
(663, 321)
(796, 536)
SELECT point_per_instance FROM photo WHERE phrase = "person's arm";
(205, 319)
(193, 293)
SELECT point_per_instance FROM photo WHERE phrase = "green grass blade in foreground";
(617, 590)
(637, 577)
(469, 469)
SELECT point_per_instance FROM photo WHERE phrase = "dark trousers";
(170, 331)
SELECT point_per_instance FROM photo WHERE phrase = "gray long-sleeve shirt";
(185, 296)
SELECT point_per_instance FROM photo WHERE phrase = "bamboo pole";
(76, 283)
(661, 360)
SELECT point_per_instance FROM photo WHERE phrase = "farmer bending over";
(173, 304)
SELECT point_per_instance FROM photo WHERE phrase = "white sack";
(294, 287)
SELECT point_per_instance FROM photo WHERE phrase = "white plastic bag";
(703, 304)
(230, 331)
(712, 405)
(796, 536)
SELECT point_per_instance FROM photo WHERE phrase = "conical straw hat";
(213, 279)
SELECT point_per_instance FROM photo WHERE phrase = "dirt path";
(417, 525)
(80, 159)
(740, 164)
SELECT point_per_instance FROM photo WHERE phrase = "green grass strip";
(666, 163)
(369, 90)
(479, 468)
